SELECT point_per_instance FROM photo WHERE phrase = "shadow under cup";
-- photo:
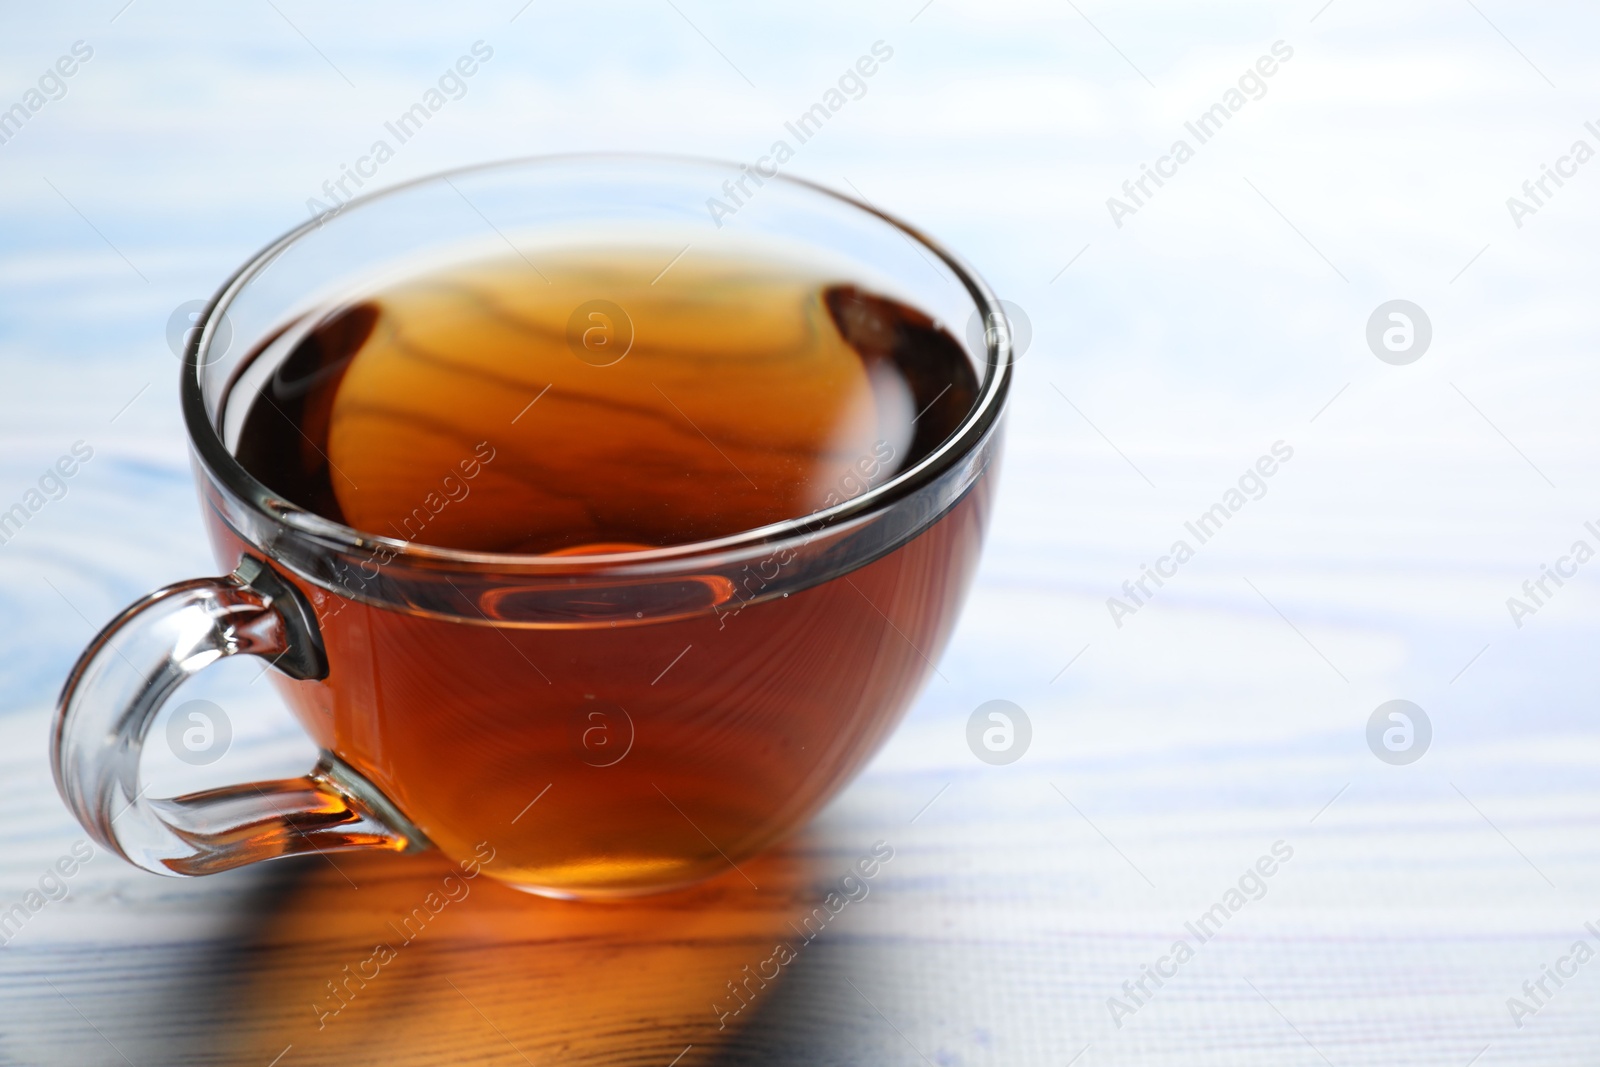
(610, 724)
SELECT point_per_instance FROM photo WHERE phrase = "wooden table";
(1419, 905)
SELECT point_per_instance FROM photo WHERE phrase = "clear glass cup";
(809, 637)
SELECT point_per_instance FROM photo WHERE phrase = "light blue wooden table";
(1419, 905)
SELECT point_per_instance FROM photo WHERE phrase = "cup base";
(604, 893)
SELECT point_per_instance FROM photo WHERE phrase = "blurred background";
(1173, 338)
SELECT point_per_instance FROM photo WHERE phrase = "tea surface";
(599, 399)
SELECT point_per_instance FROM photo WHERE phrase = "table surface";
(1171, 345)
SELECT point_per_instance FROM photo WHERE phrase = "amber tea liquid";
(605, 399)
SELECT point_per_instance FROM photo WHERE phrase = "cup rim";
(222, 466)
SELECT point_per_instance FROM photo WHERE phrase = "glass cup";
(577, 725)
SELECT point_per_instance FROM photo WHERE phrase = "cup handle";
(130, 670)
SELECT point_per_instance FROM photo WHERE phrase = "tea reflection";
(409, 960)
